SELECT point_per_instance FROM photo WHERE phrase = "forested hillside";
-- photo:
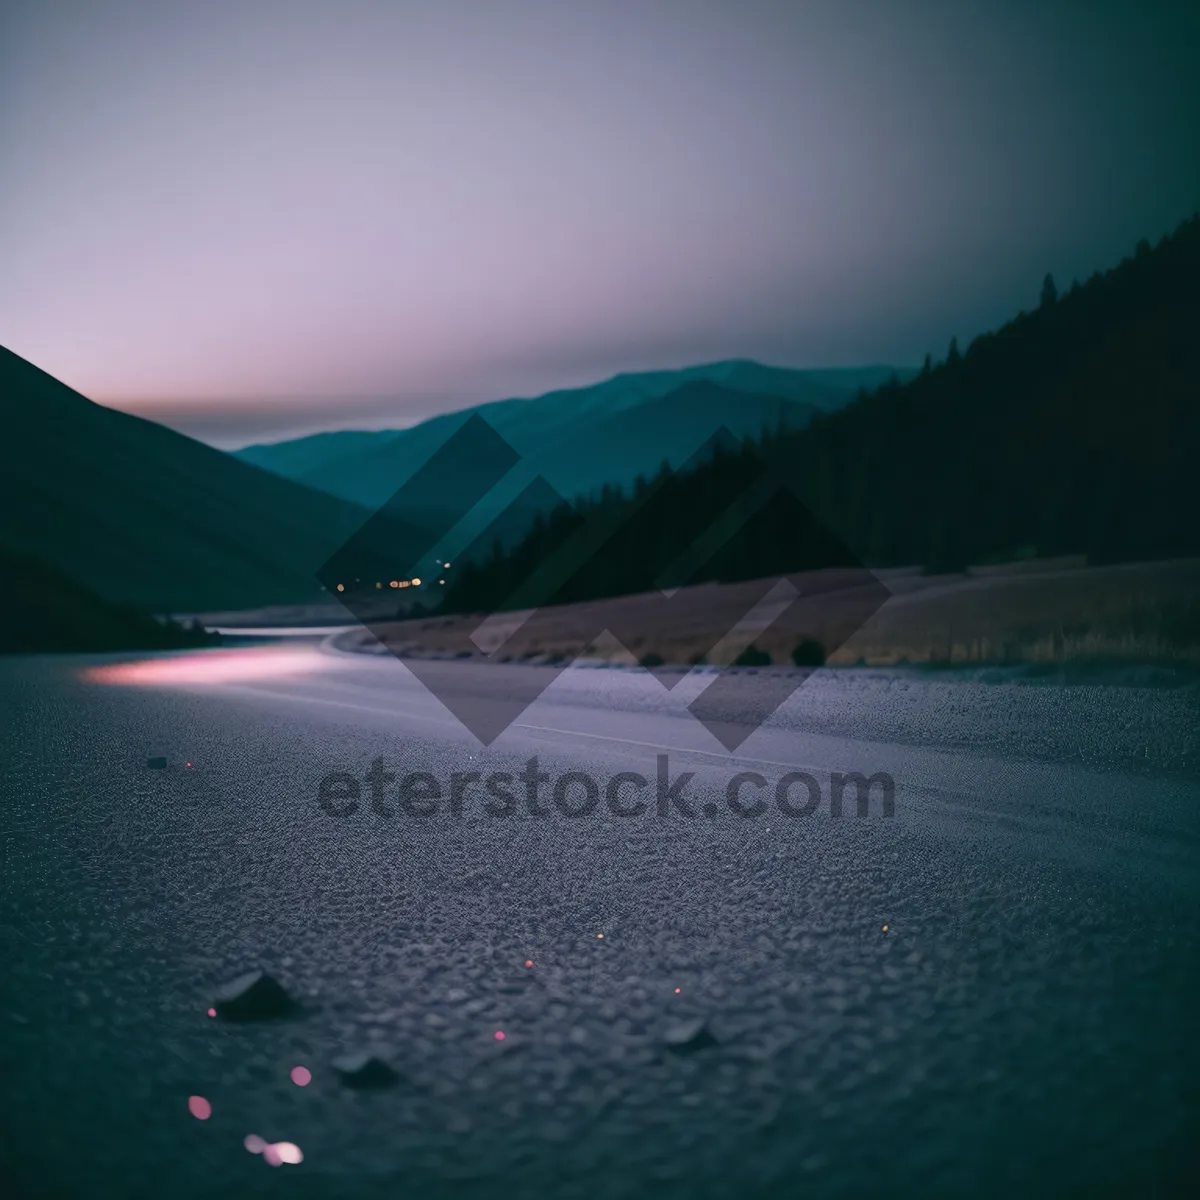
(1072, 429)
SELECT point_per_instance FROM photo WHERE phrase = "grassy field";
(1037, 611)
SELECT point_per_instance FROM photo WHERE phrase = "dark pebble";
(686, 1036)
(364, 1070)
(254, 996)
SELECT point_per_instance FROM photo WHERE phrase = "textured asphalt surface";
(1026, 1024)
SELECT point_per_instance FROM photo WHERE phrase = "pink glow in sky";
(244, 217)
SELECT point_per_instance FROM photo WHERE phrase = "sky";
(255, 219)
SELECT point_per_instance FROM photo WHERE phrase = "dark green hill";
(143, 515)
(1074, 428)
(42, 610)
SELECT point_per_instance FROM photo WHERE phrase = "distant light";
(301, 1076)
(446, 565)
(529, 962)
(393, 583)
(441, 581)
(600, 936)
(885, 929)
(199, 1108)
(341, 587)
(677, 991)
(499, 1035)
(212, 1012)
(416, 581)
(254, 1143)
(187, 764)
(378, 584)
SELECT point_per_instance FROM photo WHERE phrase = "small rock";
(157, 764)
(686, 1036)
(364, 1070)
(254, 996)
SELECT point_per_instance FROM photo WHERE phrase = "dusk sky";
(251, 220)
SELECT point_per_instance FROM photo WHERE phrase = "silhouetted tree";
(953, 355)
(1049, 291)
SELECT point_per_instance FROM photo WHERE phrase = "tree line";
(1072, 429)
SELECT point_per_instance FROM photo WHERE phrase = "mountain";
(142, 515)
(556, 430)
(293, 459)
(614, 448)
(1075, 428)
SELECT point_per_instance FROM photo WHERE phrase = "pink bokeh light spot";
(278, 1153)
(499, 1035)
(199, 1108)
(301, 1076)
(254, 1143)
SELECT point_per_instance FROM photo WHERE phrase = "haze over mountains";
(581, 439)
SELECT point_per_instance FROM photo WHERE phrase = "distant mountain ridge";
(582, 438)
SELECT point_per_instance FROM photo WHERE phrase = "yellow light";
(416, 582)
(341, 587)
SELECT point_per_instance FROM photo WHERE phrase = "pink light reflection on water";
(208, 667)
